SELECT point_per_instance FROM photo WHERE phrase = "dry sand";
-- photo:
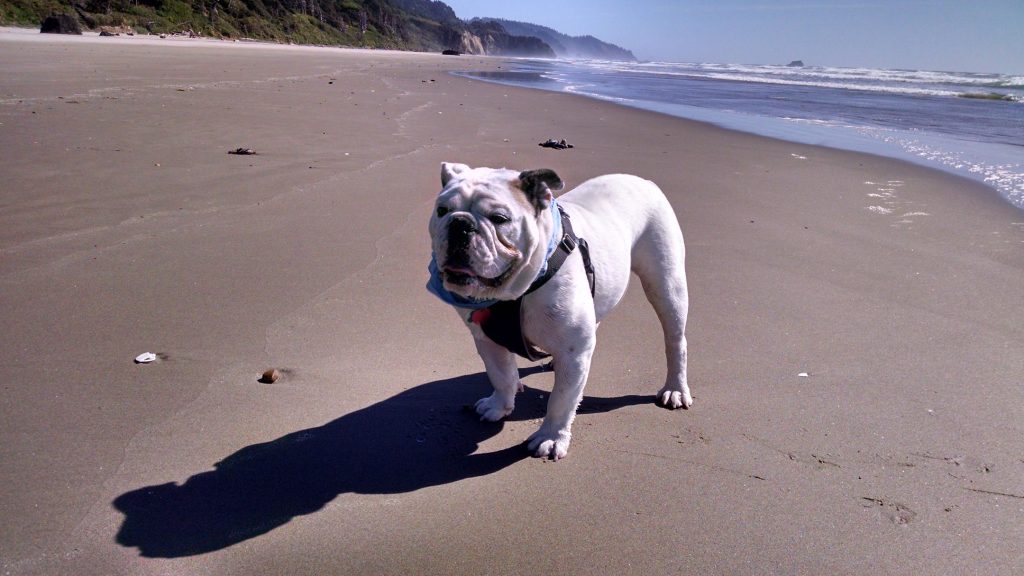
(126, 227)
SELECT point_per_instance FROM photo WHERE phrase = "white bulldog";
(501, 245)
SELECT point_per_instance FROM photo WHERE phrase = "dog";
(533, 275)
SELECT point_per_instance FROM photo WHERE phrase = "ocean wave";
(839, 85)
(921, 82)
(1015, 83)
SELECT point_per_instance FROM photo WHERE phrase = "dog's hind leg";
(663, 276)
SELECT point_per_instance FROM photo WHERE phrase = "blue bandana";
(435, 285)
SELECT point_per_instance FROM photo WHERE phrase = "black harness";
(502, 322)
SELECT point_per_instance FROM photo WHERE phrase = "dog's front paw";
(673, 399)
(493, 408)
(554, 445)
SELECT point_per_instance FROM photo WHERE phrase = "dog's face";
(490, 229)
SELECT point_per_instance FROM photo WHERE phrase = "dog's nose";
(461, 229)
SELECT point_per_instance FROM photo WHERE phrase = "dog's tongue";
(459, 270)
(459, 276)
(464, 276)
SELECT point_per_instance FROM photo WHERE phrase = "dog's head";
(490, 229)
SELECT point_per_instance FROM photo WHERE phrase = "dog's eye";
(441, 211)
(498, 218)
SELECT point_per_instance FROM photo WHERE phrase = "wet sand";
(126, 228)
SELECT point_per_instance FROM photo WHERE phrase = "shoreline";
(807, 133)
(129, 228)
(994, 164)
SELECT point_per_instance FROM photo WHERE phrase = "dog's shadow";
(422, 437)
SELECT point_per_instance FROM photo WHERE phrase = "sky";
(946, 35)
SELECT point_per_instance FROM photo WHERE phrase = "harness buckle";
(568, 244)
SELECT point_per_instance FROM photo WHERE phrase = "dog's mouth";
(461, 276)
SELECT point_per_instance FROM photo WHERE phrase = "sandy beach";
(856, 336)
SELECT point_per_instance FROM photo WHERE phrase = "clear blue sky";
(953, 35)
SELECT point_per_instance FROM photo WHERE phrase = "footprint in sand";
(897, 513)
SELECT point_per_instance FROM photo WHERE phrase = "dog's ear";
(450, 170)
(538, 184)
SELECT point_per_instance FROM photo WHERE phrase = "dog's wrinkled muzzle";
(460, 232)
(458, 268)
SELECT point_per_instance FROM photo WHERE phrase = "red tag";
(478, 317)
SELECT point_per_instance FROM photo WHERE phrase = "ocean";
(970, 124)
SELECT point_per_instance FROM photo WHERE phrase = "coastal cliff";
(418, 25)
(565, 46)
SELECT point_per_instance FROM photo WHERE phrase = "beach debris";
(556, 144)
(145, 358)
(270, 376)
(242, 151)
(803, 375)
(116, 31)
(184, 32)
(451, 53)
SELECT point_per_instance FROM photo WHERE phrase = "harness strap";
(565, 247)
(502, 322)
(588, 266)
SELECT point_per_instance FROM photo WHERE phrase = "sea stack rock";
(796, 64)
(60, 24)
